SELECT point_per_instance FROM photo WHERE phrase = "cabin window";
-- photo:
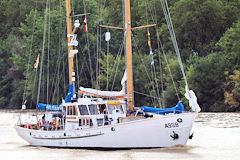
(85, 122)
(80, 122)
(119, 107)
(102, 109)
(93, 109)
(83, 110)
(91, 123)
(69, 112)
(99, 122)
(73, 110)
(110, 108)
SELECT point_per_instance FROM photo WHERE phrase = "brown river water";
(216, 137)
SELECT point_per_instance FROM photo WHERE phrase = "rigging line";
(116, 63)
(97, 50)
(144, 65)
(76, 59)
(81, 70)
(134, 42)
(60, 49)
(159, 58)
(146, 95)
(159, 52)
(72, 9)
(102, 6)
(29, 58)
(119, 51)
(160, 43)
(25, 85)
(64, 79)
(61, 60)
(42, 55)
(107, 61)
(177, 49)
(155, 93)
(169, 70)
(57, 79)
(65, 62)
(79, 15)
(154, 76)
(72, 16)
(160, 67)
(173, 38)
(89, 55)
(118, 55)
(49, 29)
(53, 86)
(84, 60)
(100, 43)
(82, 63)
(34, 84)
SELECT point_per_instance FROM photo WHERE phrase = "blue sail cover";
(70, 93)
(49, 107)
(179, 108)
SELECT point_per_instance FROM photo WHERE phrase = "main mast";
(129, 54)
(70, 47)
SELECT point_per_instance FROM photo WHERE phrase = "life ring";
(28, 126)
(53, 124)
(39, 124)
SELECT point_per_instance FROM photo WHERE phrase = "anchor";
(174, 136)
(191, 136)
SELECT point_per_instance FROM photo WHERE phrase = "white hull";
(144, 133)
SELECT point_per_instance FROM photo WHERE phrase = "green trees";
(232, 91)
(207, 31)
(206, 76)
(229, 44)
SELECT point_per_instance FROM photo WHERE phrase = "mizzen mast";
(70, 47)
(128, 30)
(129, 54)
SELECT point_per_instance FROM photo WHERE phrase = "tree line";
(207, 32)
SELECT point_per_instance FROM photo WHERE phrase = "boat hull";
(159, 131)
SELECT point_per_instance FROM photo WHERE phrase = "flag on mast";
(85, 22)
(149, 42)
(37, 62)
(85, 28)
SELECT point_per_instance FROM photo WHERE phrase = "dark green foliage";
(207, 31)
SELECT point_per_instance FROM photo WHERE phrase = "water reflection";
(216, 136)
(218, 120)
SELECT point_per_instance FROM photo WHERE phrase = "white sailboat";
(107, 119)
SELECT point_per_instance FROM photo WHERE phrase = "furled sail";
(70, 93)
(179, 108)
(192, 98)
(100, 93)
(49, 107)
